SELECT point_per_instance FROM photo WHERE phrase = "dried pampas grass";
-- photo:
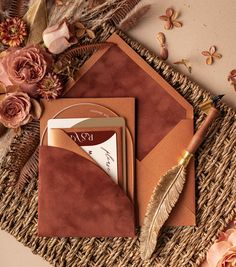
(134, 17)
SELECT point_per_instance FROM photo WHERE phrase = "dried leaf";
(177, 24)
(211, 55)
(170, 18)
(206, 53)
(123, 10)
(217, 55)
(165, 18)
(168, 25)
(71, 54)
(164, 53)
(90, 34)
(132, 20)
(18, 8)
(161, 38)
(209, 60)
(175, 15)
(95, 3)
(212, 49)
(79, 25)
(29, 171)
(80, 32)
(169, 12)
(36, 18)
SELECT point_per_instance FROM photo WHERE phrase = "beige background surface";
(205, 23)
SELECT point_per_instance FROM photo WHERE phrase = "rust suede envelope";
(164, 119)
(76, 197)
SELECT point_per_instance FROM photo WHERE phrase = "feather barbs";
(163, 199)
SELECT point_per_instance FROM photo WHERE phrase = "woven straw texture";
(177, 247)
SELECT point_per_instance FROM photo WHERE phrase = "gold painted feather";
(168, 190)
(163, 199)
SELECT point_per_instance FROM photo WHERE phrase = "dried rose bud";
(13, 32)
(50, 87)
(58, 38)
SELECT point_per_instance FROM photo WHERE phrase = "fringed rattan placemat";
(177, 247)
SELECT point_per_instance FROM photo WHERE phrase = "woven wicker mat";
(182, 246)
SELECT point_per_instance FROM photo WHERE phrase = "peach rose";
(26, 67)
(223, 252)
(15, 110)
(58, 38)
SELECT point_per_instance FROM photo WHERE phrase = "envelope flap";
(159, 106)
(77, 198)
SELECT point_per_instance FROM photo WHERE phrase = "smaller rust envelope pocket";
(77, 198)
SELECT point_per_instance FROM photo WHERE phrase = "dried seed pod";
(161, 38)
(164, 53)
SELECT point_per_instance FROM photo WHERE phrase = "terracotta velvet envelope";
(77, 198)
(164, 119)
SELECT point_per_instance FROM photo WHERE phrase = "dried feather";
(123, 10)
(71, 11)
(29, 171)
(101, 14)
(133, 19)
(71, 54)
(4, 5)
(6, 137)
(163, 199)
(18, 8)
(27, 141)
(95, 3)
(36, 18)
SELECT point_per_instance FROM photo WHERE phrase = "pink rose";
(26, 67)
(58, 38)
(223, 252)
(15, 110)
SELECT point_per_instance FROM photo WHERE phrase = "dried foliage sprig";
(134, 18)
(171, 19)
(29, 170)
(95, 3)
(18, 8)
(82, 30)
(69, 10)
(36, 18)
(211, 55)
(27, 141)
(123, 10)
(73, 53)
(185, 63)
(163, 49)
